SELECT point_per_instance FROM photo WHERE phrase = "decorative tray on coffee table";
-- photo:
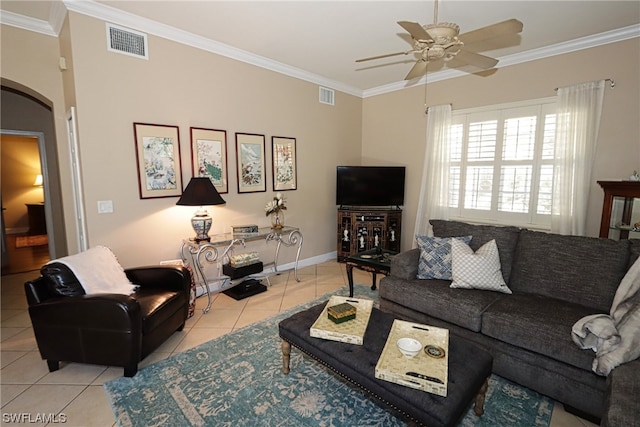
(428, 370)
(351, 331)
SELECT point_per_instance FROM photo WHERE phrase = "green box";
(342, 319)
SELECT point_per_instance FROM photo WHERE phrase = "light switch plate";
(105, 206)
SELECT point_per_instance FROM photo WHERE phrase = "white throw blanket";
(615, 337)
(98, 271)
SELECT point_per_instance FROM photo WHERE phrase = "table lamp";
(200, 192)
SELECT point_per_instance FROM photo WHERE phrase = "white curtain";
(434, 189)
(577, 123)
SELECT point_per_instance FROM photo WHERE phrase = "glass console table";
(201, 254)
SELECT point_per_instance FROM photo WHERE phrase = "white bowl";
(409, 347)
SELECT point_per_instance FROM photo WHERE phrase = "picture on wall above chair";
(158, 159)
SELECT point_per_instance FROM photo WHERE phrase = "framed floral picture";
(158, 158)
(209, 156)
(283, 151)
(250, 163)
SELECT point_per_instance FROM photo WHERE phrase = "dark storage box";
(245, 270)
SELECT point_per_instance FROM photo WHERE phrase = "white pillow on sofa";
(479, 270)
(435, 256)
(98, 271)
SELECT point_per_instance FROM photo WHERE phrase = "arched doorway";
(25, 114)
(25, 244)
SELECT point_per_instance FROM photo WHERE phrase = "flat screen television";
(370, 185)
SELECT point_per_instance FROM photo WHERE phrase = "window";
(501, 166)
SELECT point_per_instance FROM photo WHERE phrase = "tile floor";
(27, 387)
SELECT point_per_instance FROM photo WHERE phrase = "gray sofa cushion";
(506, 238)
(538, 324)
(463, 307)
(405, 264)
(576, 269)
(634, 245)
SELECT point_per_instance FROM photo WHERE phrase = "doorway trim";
(45, 178)
(76, 180)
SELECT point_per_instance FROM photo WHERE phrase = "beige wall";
(183, 86)
(30, 65)
(397, 119)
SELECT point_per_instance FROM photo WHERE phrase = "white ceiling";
(320, 40)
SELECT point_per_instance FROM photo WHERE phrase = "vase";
(277, 219)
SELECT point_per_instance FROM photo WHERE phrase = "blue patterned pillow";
(435, 256)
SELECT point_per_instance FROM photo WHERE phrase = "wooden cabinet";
(620, 210)
(361, 229)
(37, 219)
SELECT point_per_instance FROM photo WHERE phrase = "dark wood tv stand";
(361, 228)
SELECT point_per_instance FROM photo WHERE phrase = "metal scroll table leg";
(293, 239)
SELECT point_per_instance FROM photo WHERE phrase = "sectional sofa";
(554, 281)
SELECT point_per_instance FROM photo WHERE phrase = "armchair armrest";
(405, 264)
(168, 277)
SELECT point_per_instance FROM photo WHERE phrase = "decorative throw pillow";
(479, 270)
(435, 256)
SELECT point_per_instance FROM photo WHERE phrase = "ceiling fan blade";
(465, 57)
(510, 26)
(383, 56)
(419, 69)
(416, 30)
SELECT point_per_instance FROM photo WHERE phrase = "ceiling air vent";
(327, 96)
(126, 41)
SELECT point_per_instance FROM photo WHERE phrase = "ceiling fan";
(442, 41)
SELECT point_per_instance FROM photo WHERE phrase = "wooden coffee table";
(374, 261)
(469, 369)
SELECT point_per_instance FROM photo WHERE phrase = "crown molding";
(57, 15)
(613, 36)
(26, 23)
(109, 14)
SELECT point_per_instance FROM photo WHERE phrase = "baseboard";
(318, 259)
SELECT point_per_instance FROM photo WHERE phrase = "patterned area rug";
(237, 380)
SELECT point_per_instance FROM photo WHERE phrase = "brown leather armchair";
(106, 329)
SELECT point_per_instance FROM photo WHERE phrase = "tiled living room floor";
(76, 389)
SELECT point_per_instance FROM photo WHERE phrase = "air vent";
(126, 41)
(327, 96)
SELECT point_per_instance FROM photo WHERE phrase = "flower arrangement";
(276, 205)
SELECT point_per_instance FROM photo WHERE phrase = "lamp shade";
(200, 192)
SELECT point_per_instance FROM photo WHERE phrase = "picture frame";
(285, 175)
(250, 162)
(158, 159)
(209, 156)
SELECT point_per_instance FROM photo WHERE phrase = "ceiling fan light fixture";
(443, 32)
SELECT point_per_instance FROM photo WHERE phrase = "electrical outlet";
(105, 206)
